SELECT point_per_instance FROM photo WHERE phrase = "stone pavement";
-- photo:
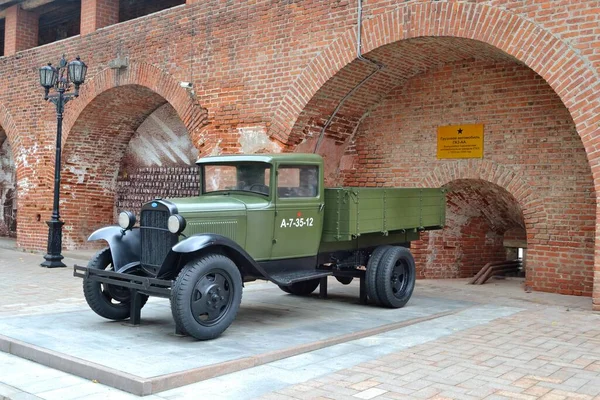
(507, 344)
(548, 353)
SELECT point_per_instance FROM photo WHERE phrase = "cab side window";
(298, 181)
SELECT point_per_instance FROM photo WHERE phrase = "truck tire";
(303, 288)
(108, 301)
(395, 277)
(178, 328)
(206, 296)
(371, 273)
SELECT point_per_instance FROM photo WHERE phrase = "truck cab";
(283, 196)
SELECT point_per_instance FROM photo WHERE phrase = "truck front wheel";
(108, 301)
(395, 277)
(206, 296)
(302, 288)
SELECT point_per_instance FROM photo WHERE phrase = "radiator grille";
(156, 243)
(225, 228)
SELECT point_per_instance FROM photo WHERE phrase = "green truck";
(262, 216)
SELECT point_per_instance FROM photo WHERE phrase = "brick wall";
(515, 234)
(528, 132)
(459, 251)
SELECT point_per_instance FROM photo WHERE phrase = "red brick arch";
(14, 139)
(191, 113)
(532, 207)
(506, 178)
(570, 75)
(98, 127)
(8, 125)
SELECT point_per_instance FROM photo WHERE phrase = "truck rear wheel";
(206, 296)
(108, 301)
(302, 288)
(395, 277)
(371, 273)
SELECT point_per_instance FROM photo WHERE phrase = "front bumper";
(144, 285)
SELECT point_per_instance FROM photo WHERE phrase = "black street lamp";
(52, 77)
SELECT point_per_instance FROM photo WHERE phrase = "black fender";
(125, 246)
(204, 241)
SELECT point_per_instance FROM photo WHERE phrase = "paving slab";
(149, 358)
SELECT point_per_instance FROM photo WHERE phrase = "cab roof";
(270, 158)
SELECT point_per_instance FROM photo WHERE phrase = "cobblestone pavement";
(28, 288)
(547, 347)
(549, 353)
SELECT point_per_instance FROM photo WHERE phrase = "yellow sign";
(460, 141)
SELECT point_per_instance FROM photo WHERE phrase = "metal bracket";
(119, 62)
(323, 288)
(363, 290)
(135, 308)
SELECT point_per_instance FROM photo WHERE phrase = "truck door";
(299, 211)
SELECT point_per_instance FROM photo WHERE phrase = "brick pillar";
(20, 30)
(96, 14)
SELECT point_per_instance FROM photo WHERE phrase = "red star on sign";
(298, 214)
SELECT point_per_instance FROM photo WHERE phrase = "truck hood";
(217, 203)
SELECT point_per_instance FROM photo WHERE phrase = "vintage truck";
(263, 216)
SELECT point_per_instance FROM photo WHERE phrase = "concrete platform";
(150, 358)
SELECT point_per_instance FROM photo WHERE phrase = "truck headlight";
(176, 223)
(126, 220)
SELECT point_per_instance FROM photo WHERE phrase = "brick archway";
(571, 77)
(532, 207)
(9, 140)
(98, 130)
(568, 74)
(192, 114)
(8, 125)
(492, 172)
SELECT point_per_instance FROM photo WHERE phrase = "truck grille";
(225, 228)
(156, 243)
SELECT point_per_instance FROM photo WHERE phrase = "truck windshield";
(247, 176)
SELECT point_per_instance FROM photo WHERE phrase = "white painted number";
(296, 222)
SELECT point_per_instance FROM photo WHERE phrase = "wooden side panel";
(351, 212)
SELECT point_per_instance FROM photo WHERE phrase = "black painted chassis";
(139, 285)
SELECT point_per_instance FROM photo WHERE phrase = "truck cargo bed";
(351, 211)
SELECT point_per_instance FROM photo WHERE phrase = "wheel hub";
(399, 279)
(211, 298)
(118, 293)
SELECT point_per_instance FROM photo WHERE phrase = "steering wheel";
(261, 188)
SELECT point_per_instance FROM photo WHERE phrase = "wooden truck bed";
(351, 211)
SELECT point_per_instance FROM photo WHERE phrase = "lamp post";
(55, 77)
